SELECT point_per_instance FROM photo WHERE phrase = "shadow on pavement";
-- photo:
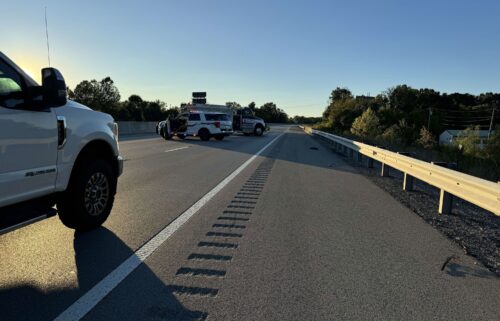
(305, 149)
(97, 253)
(457, 270)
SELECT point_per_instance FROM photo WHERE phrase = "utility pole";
(492, 119)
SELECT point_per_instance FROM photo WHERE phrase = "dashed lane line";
(173, 150)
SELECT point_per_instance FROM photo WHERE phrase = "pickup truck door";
(28, 142)
(248, 124)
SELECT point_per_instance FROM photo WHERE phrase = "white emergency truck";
(53, 152)
(196, 120)
(205, 121)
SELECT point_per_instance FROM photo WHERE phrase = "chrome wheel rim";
(96, 194)
(259, 131)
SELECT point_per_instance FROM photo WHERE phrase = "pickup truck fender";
(83, 126)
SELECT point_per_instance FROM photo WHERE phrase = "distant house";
(449, 136)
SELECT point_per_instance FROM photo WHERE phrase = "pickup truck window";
(10, 87)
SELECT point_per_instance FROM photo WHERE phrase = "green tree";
(154, 110)
(469, 140)
(367, 125)
(492, 149)
(135, 107)
(98, 95)
(233, 105)
(337, 97)
(171, 112)
(426, 139)
(271, 113)
(391, 135)
(339, 94)
(402, 98)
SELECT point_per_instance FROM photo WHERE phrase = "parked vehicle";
(53, 152)
(246, 122)
(197, 121)
(243, 121)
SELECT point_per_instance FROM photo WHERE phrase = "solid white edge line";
(89, 300)
(173, 150)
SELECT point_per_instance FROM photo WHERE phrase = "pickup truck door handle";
(61, 131)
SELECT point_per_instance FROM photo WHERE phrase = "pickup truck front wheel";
(89, 198)
(258, 131)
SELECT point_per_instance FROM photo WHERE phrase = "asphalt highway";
(249, 228)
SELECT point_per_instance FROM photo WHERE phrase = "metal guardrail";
(480, 192)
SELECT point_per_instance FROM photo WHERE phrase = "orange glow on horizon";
(30, 65)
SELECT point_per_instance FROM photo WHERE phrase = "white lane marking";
(173, 150)
(89, 300)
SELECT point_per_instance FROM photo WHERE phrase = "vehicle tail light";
(217, 124)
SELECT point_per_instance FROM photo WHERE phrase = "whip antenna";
(47, 35)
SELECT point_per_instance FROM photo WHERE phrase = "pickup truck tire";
(258, 131)
(165, 136)
(219, 137)
(204, 134)
(87, 202)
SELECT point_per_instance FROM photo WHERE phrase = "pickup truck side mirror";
(54, 88)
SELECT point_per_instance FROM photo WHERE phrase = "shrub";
(406, 132)
(426, 139)
(367, 125)
(468, 141)
(391, 135)
(492, 149)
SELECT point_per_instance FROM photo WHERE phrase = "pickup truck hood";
(74, 104)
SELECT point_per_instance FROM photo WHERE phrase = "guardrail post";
(351, 153)
(370, 162)
(360, 157)
(384, 171)
(445, 202)
(407, 182)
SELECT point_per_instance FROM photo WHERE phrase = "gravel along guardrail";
(475, 229)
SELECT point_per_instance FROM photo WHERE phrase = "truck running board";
(13, 218)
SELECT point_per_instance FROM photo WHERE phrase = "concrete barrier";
(136, 127)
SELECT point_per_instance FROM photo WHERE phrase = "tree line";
(269, 112)
(406, 110)
(404, 116)
(104, 96)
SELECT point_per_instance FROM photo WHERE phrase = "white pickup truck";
(53, 152)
